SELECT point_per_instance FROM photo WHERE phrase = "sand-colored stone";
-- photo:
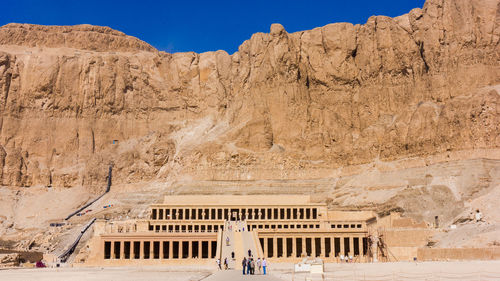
(458, 254)
(329, 97)
(395, 114)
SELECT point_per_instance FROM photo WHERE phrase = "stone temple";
(198, 229)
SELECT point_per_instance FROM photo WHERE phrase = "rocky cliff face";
(285, 106)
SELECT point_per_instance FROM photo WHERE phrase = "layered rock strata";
(74, 99)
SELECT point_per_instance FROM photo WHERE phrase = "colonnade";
(324, 246)
(159, 249)
(186, 227)
(160, 213)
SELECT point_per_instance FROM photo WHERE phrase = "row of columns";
(267, 226)
(227, 213)
(303, 249)
(186, 227)
(112, 254)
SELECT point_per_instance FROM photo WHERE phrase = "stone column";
(304, 246)
(313, 247)
(200, 243)
(141, 249)
(275, 247)
(112, 250)
(323, 248)
(342, 248)
(294, 247)
(332, 247)
(151, 249)
(283, 240)
(361, 246)
(161, 250)
(190, 249)
(170, 249)
(351, 246)
(132, 250)
(265, 247)
(209, 249)
(122, 250)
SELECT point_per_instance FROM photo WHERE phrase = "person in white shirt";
(478, 216)
(264, 265)
(218, 264)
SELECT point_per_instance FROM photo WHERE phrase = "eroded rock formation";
(285, 106)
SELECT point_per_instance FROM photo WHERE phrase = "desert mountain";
(397, 113)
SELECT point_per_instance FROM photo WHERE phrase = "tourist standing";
(244, 264)
(226, 265)
(248, 266)
(249, 253)
(264, 265)
(252, 266)
(259, 265)
(478, 216)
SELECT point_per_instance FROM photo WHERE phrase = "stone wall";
(446, 254)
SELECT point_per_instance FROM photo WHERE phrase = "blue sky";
(180, 26)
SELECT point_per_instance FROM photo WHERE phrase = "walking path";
(235, 275)
(101, 274)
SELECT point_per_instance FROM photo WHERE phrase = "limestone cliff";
(285, 106)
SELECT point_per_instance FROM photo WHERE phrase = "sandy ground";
(439, 271)
(100, 274)
(474, 270)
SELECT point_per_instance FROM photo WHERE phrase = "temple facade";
(199, 229)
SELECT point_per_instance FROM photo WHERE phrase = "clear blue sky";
(179, 26)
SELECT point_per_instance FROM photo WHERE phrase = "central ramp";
(238, 240)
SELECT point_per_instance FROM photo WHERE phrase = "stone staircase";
(229, 244)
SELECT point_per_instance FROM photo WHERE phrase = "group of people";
(226, 264)
(240, 227)
(346, 258)
(250, 264)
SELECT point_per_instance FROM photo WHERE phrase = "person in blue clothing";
(264, 265)
(248, 266)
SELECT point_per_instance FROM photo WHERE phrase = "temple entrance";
(234, 214)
